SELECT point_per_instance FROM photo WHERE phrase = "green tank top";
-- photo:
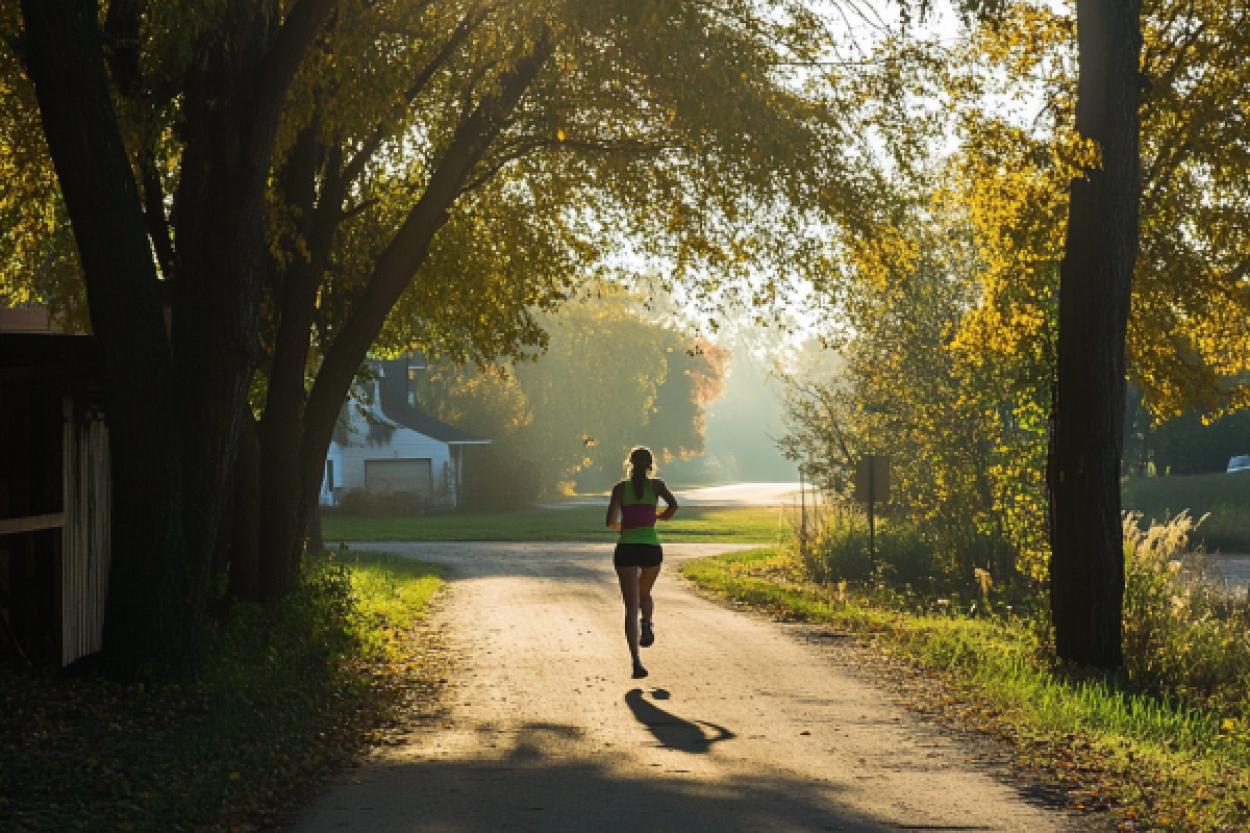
(638, 514)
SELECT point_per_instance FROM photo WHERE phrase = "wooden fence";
(86, 534)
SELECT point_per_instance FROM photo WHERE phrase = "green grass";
(752, 525)
(1225, 496)
(391, 594)
(1151, 760)
(285, 698)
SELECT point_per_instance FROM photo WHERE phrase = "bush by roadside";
(361, 503)
(286, 697)
(1185, 637)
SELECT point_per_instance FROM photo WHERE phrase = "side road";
(740, 727)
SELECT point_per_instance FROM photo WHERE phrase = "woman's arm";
(662, 491)
(614, 509)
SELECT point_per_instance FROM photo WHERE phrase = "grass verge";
(752, 525)
(1225, 497)
(286, 697)
(1154, 765)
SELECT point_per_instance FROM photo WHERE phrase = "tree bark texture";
(245, 558)
(144, 625)
(176, 402)
(219, 228)
(1087, 559)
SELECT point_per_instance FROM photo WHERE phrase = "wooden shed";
(54, 497)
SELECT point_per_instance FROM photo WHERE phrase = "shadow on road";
(671, 731)
(534, 785)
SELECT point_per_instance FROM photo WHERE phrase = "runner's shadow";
(671, 731)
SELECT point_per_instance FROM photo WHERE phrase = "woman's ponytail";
(640, 463)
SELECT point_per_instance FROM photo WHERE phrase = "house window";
(330, 475)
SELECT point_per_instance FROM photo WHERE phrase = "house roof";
(409, 417)
(34, 355)
(393, 402)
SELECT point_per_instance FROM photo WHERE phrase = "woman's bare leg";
(628, 577)
(645, 582)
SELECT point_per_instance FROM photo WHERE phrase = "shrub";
(309, 633)
(839, 551)
(288, 694)
(389, 504)
(501, 481)
(1184, 634)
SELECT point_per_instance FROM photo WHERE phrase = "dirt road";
(742, 726)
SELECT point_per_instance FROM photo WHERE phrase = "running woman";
(632, 511)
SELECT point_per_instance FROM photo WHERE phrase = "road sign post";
(872, 484)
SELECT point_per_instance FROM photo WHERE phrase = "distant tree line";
(610, 378)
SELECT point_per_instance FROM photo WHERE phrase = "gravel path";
(742, 725)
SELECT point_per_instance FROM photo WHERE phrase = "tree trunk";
(245, 582)
(1087, 559)
(282, 426)
(316, 542)
(175, 401)
(221, 249)
(144, 627)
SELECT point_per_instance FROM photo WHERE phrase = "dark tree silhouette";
(175, 397)
(1087, 559)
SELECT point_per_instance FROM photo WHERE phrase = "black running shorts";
(638, 555)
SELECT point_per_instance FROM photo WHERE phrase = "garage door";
(407, 475)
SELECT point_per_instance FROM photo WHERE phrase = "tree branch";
(93, 170)
(121, 31)
(523, 147)
(154, 214)
(409, 247)
(280, 64)
(467, 24)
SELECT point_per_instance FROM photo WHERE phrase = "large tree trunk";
(245, 582)
(144, 625)
(175, 401)
(281, 428)
(1087, 560)
(221, 248)
(316, 540)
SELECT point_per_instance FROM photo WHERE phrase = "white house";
(385, 443)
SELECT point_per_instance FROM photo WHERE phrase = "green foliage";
(1188, 445)
(287, 696)
(313, 631)
(609, 379)
(947, 345)
(839, 551)
(631, 136)
(1183, 634)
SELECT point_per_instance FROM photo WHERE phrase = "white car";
(1238, 464)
